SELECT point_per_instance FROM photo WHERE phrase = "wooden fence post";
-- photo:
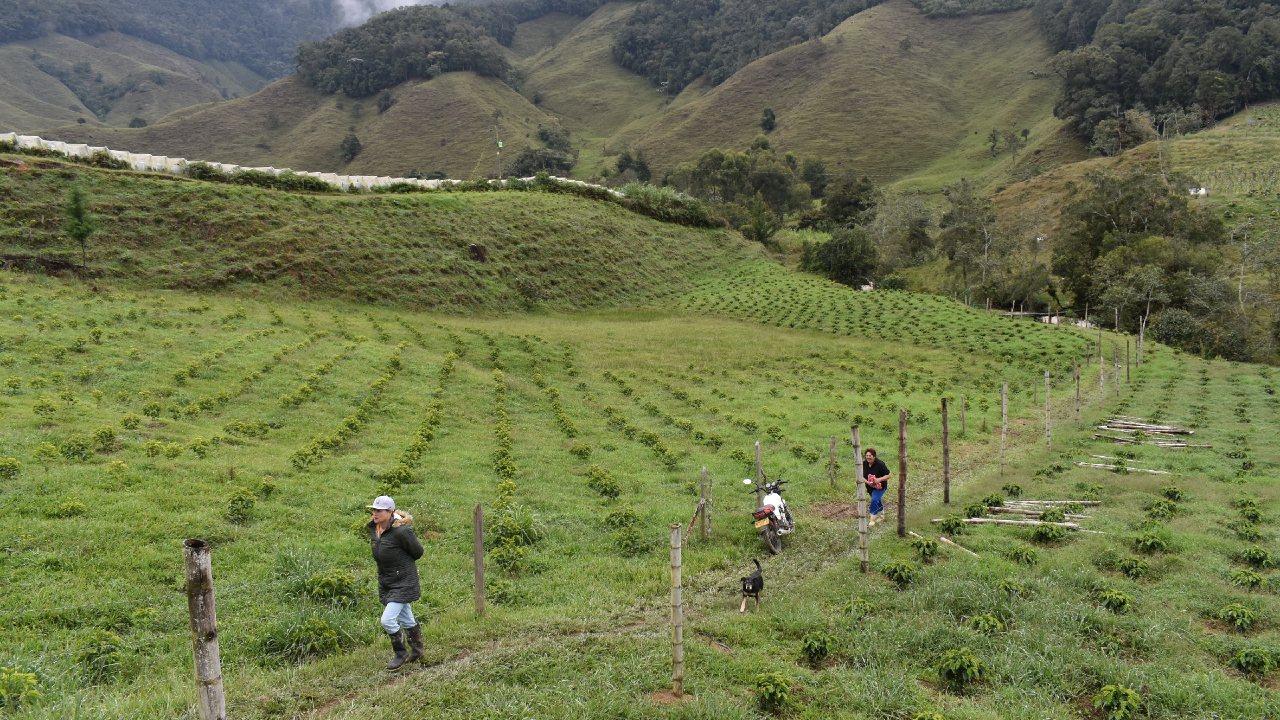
(862, 500)
(478, 551)
(1126, 359)
(963, 429)
(759, 474)
(946, 456)
(1048, 412)
(1004, 421)
(677, 616)
(210, 702)
(831, 461)
(1076, 376)
(902, 472)
(705, 527)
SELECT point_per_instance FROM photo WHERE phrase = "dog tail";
(757, 562)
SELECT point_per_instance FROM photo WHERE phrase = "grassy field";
(177, 394)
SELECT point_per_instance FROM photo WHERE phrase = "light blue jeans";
(397, 615)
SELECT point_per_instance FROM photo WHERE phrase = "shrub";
(1255, 556)
(816, 646)
(1162, 509)
(630, 541)
(104, 439)
(267, 487)
(1012, 587)
(240, 506)
(1056, 515)
(952, 525)
(1150, 543)
(1013, 490)
(1240, 617)
(976, 510)
(993, 501)
(72, 507)
(75, 448)
(1133, 568)
(580, 450)
(1048, 534)
(986, 623)
(1117, 601)
(602, 481)
(959, 668)
(1254, 661)
(130, 422)
(901, 572)
(10, 468)
(928, 715)
(1248, 579)
(18, 689)
(773, 691)
(926, 548)
(623, 517)
(1023, 555)
(1172, 492)
(336, 587)
(1117, 702)
(100, 656)
(301, 639)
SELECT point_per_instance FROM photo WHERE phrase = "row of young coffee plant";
(322, 446)
(411, 457)
(311, 385)
(766, 293)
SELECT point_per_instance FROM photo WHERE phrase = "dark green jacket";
(396, 553)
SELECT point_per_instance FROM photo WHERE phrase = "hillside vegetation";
(543, 250)
(110, 79)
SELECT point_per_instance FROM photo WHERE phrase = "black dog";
(751, 587)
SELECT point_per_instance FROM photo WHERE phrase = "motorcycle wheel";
(771, 540)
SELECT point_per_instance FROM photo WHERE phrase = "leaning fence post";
(677, 616)
(862, 499)
(478, 551)
(946, 456)
(1076, 375)
(211, 703)
(902, 472)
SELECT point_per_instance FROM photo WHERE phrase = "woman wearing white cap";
(396, 550)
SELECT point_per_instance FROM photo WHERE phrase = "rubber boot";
(397, 645)
(415, 643)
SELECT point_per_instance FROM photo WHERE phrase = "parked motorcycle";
(773, 518)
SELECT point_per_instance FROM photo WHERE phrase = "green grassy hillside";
(119, 76)
(444, 125)
(577, 80)
(861, 102)
(890, 93)
(544, 250)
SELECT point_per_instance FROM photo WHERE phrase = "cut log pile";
(1029, 509)
(1129, 429)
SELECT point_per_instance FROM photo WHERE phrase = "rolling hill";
(859, 98)
(108, 79)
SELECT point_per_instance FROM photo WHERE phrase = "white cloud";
(355, 12)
